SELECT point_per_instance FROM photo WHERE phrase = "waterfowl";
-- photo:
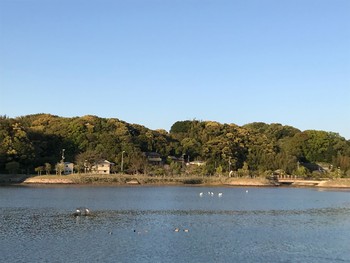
(81, 212)
(77, 212)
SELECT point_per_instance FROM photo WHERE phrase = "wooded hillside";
(35, 140)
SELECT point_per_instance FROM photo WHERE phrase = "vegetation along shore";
(91, 149)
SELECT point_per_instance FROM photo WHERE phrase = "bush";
(12, 167)
(193, 181)
(301, 171)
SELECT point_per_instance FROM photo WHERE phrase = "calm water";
(136, 224)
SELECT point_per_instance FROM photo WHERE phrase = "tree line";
(35, 143)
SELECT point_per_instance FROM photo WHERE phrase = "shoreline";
(197, 181)
(130, 180)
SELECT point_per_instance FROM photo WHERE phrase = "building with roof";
(102, 167)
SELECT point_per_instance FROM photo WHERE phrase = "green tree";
(219, 170)
(48, 168)
(59, 167)
(12, 167)
(137, 163)
(88, 159)
(301, 171)
(244, 172)
(39, 169)
(175, 168)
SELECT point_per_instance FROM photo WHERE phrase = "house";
(102, 167)
(68, 168)
(197, 163)
(153, 158)
(176, 159)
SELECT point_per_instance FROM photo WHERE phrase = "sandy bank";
(335, 183)
(117, 179)
(36, 180)
(249, 182)
(146, 180)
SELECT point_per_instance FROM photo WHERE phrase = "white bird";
(246, 191)
(77, 212)
(82, 212)
(219, 194)
(200, 194)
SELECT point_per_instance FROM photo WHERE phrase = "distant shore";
(123, 179)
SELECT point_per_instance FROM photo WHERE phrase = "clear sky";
(154, 62)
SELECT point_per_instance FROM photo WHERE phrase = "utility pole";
(63, 155)
(121, 166)
(60, 166)
(85, 166)
(229, 165)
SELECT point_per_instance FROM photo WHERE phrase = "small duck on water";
(82, 211)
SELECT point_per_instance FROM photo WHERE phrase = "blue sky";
(154, 62)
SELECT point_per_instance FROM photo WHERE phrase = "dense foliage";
(35, 142)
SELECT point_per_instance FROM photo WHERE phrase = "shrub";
(193, 181)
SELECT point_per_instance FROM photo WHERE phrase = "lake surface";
(136, 224)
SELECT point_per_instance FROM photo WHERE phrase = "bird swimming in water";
(81, 212)
(77, 212)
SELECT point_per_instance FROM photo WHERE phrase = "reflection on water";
(137, 225)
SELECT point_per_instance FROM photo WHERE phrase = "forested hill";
(33, 140)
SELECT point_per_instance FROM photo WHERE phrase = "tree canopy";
(33, 141)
